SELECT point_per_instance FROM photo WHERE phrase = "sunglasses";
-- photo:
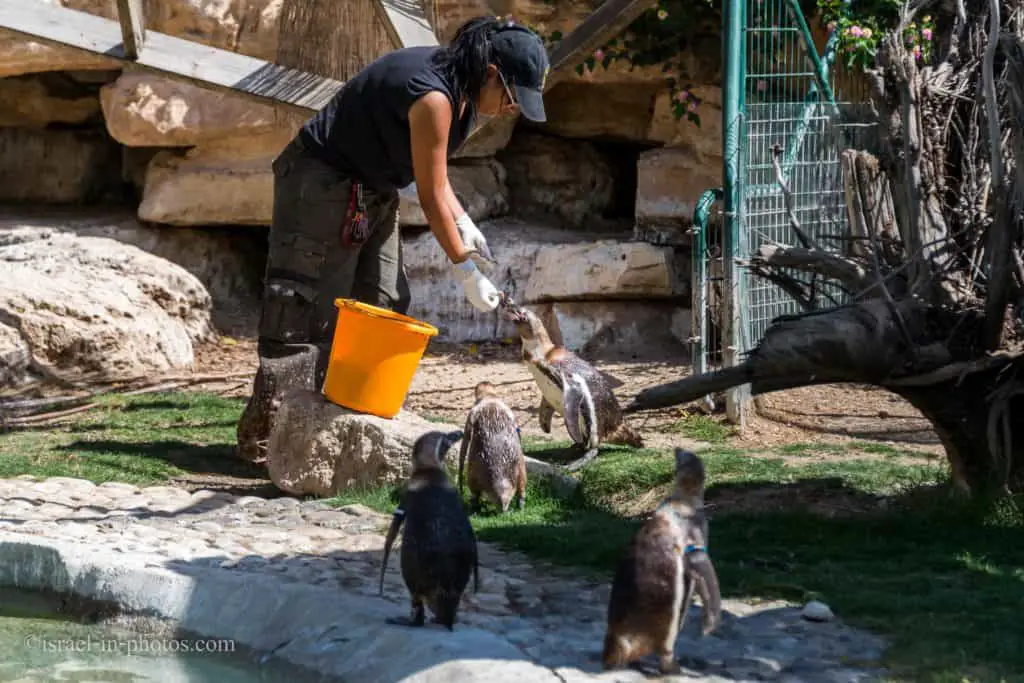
(508, 91)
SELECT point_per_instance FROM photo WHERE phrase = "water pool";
(39, 645)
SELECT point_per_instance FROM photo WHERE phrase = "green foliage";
(862, 24)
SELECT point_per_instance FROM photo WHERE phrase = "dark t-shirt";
(364, 130)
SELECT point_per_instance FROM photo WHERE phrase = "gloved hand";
(478, 289)
(473, 238)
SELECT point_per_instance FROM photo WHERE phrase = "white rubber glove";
(477, 288)
(473, 238)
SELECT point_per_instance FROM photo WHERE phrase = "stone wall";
(75, 129)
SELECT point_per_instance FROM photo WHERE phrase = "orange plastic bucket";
(374, 356)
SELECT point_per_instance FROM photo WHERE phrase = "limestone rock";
(605, 269)
(487, 141)
(19, 55)
(669, 182)
(229, 263)
(14, 356)
(37, 101)
(229, 181)
(321, 449)
(705, 141)
(594, 110)
(143, 109)
(57, 166)
(438, 298)
(479, 185)
(618, 328)
(815, 610)
(552, 176)
(91, 304)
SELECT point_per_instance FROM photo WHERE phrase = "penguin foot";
(668, 666)
(577, 464)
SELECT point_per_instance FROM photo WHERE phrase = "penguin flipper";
(396, 523)
(580, 412)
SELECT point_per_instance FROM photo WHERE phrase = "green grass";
(703, 428)
(143, 440)
(945, 582)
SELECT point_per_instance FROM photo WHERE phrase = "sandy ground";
(443, 389)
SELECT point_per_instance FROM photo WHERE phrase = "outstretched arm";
(430, 119)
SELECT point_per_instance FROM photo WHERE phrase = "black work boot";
(282, 367)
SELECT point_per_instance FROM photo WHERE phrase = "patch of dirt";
(443, 390)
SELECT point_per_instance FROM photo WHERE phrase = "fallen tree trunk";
(971, 398)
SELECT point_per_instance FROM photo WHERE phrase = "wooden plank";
(407, 23)
(132, 18)
(205, 66)
(607, 21)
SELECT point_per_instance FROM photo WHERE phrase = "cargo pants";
(308, 267)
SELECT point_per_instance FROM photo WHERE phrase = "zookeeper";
(335, 219)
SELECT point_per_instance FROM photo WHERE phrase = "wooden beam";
(406, 22)
(205, 66)
(610, 19)
(131, 15)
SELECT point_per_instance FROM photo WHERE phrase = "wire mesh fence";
(800, 100)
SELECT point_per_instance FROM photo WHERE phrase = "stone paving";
(555, 618)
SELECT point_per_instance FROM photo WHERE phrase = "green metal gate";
(777, 90)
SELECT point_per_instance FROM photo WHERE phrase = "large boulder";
(20, 55)
(605, 269)
(39, 100)
(553, 177)
(147, 110)
(95, 305)
(478, 183)
(321, 449)
(438, 298)
(618, 329)
(226, 182)
(14, 356)
(670, 180)
(53, 166)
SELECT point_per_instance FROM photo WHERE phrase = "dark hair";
(464, 60)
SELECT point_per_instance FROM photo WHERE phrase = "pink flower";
(831, 26)
(855, 31)
(917, 52)
(927, 33)
(682, 95)
(599, 54)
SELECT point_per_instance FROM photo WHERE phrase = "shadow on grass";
(217, 459)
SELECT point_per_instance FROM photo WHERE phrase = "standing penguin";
(571, 387)
(490, 443)
(438, 545)
(655, 580)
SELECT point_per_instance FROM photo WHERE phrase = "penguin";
(438, 548)
(571, 387)
(654, 583)
(491, 445)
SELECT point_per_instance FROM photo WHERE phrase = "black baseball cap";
(520, 55)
